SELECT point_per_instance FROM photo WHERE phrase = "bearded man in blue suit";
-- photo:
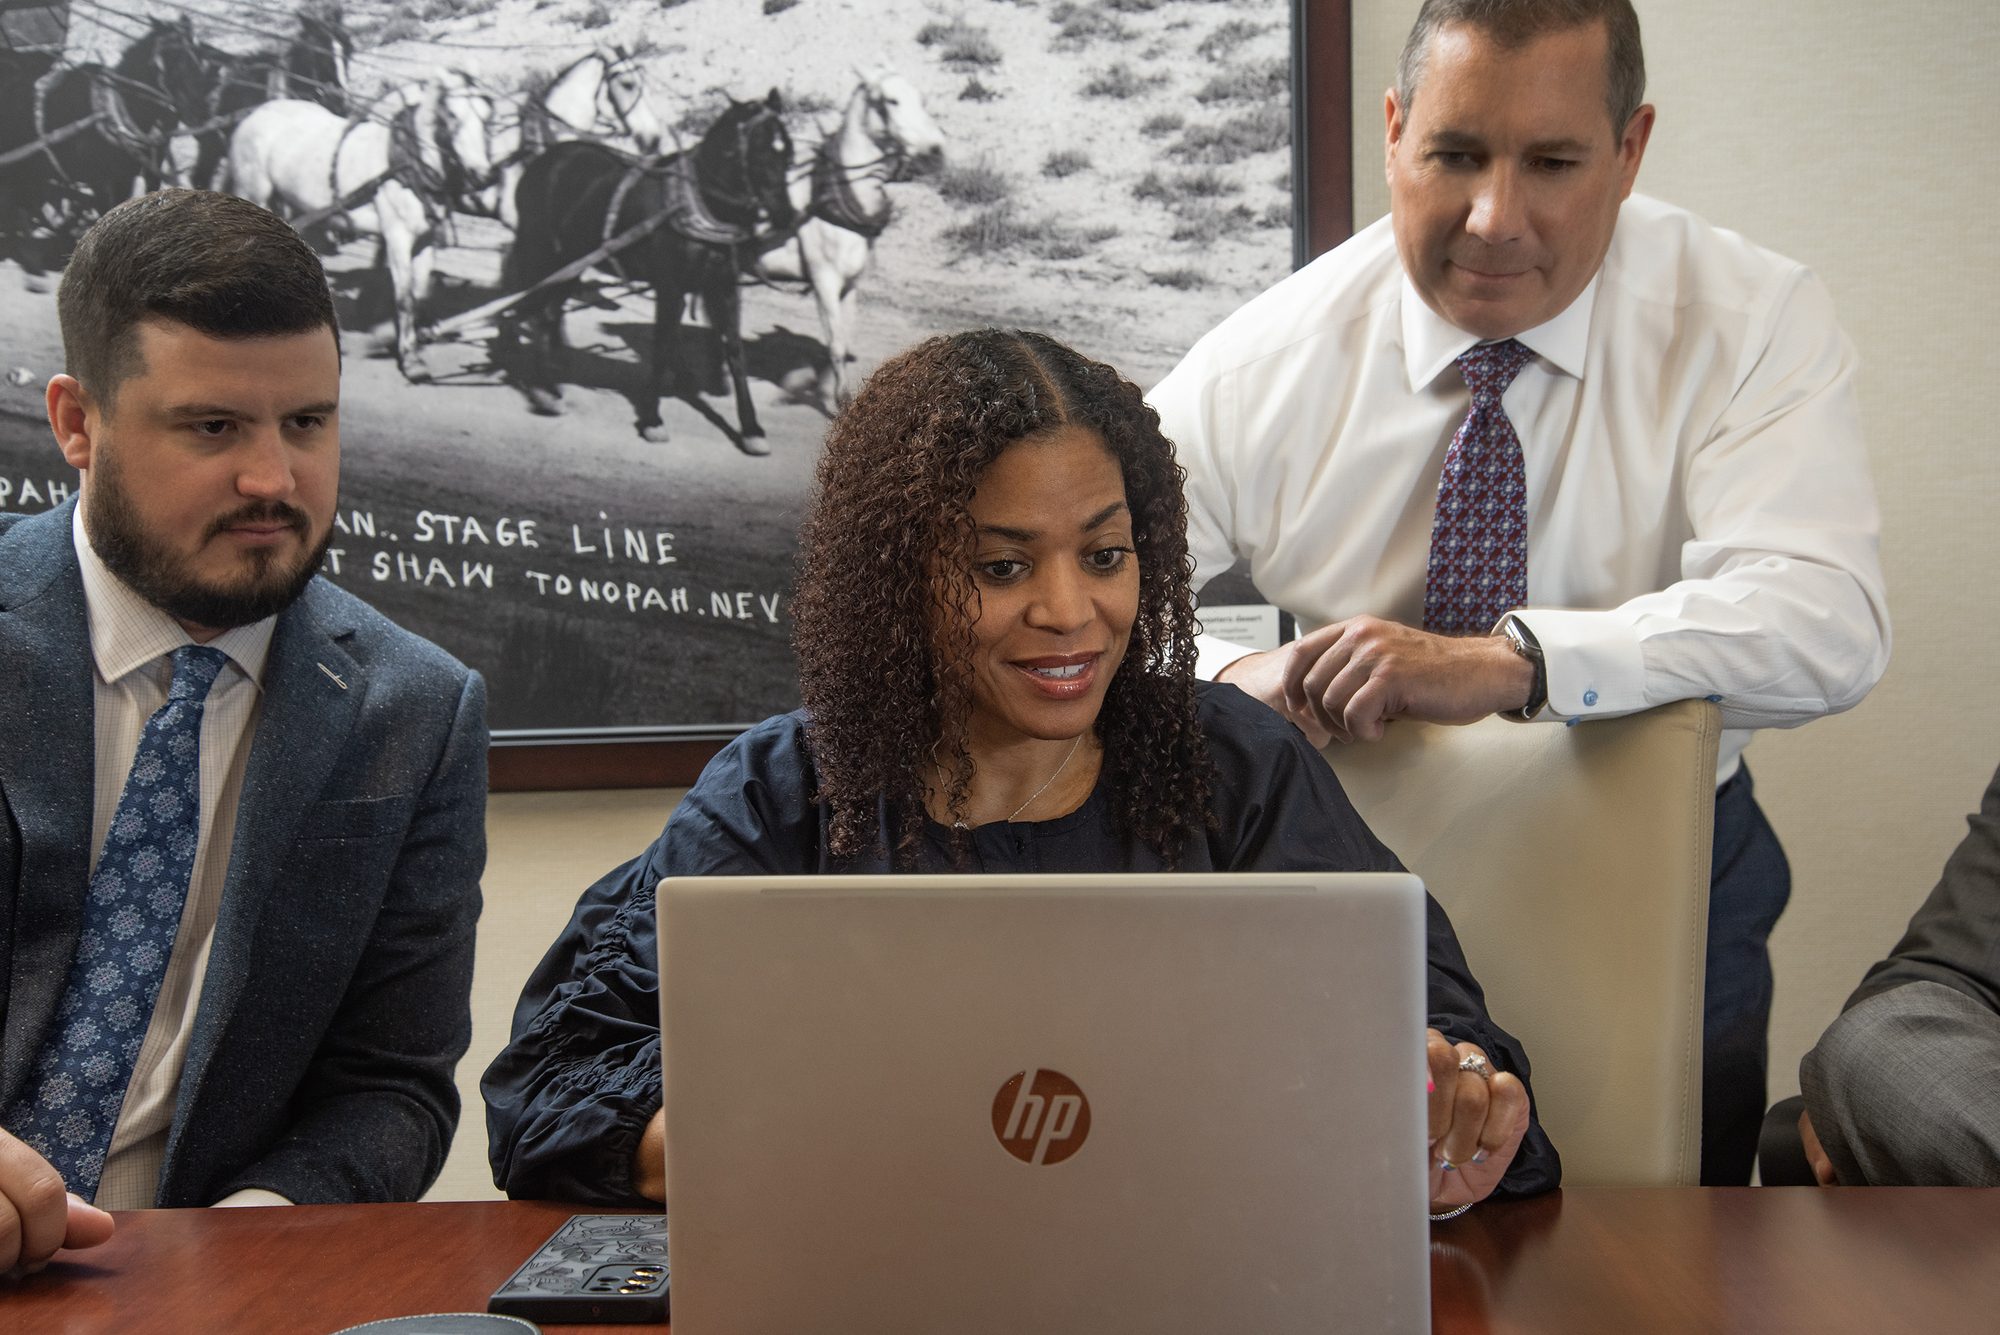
(241, 814)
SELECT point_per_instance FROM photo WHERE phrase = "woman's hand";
(1477, 1119)
(649, 1161)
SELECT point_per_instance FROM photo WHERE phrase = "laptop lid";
(1060, 1104)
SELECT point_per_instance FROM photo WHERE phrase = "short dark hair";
(1515, 23)
(887, 543)
(218, 264)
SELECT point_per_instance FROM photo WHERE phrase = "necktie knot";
(195, 669)
(1490, 367)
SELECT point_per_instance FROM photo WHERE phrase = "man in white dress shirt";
(241, 814)
(1660, 492)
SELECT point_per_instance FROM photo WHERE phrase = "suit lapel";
(301, 732)
(47, 758)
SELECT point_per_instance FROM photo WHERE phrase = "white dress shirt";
(130, 640)
(1701, 520)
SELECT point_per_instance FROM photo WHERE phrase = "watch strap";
(1523, 642)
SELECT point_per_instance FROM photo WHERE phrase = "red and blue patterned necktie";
(77, 1089)
(1479, 540)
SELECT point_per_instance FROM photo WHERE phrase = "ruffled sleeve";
(570, 1095)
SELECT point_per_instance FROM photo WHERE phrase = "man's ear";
(73, 419)
(1632, 147)
(1392, 122)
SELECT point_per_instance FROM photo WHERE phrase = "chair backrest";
(1574, 862)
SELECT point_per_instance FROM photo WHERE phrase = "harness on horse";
(833, 198)
(107, 111)
(117, 124)
(42, 86)
(407, 164)
(537, 126)
(687, 211)
(341, 203)
(430, 183)
(433, 182)
(685, 208)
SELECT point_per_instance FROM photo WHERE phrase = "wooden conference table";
(1765, 1260)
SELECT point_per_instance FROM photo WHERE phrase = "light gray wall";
(1855, 137)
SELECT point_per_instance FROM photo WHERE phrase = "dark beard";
(132, 554)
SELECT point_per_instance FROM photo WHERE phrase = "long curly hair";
(884, 604)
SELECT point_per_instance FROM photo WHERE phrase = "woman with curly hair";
(995, 636)
(896, 640)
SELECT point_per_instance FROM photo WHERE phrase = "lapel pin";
(333, 675)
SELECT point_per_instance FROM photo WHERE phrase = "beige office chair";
(1574, 862)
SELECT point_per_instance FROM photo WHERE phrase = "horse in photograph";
(885, 135)
(601, 96)
(394, 179)
(700, 216)
(313, 67)
(103, 131)
(23, 170)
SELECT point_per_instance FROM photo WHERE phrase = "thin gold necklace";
(959, 824)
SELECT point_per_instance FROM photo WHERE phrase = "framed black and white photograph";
(605, 268)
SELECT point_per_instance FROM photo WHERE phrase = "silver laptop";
(1067, 1105)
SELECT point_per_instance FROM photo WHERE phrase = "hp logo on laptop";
(1041, 1117)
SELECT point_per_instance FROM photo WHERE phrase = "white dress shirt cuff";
(251, 1196)
(1213, 653)
(1595, 666)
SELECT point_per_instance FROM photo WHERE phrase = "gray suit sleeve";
(1954, 938)
(374, 1115)
(1900, 1087)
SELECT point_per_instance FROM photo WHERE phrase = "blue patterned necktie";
(77, 1089)
(1479, 540)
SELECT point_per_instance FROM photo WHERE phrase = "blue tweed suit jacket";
(336, 1000)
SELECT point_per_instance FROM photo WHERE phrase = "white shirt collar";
(128, 633)
(1430, 344)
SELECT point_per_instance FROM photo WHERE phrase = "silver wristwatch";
(1523, 642)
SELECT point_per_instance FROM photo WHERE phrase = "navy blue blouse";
(570, 1095)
